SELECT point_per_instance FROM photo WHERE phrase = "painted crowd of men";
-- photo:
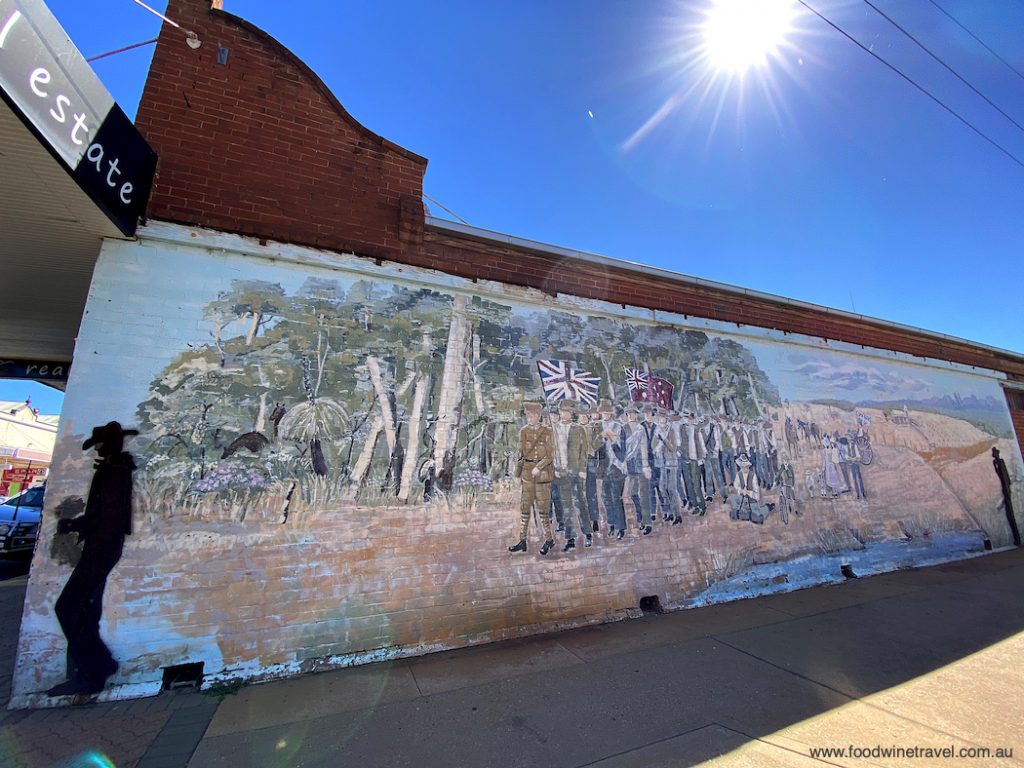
(662, 463)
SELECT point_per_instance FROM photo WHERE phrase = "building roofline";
(487, 235)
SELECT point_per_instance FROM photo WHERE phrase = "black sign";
(51, 86)
(37, 370)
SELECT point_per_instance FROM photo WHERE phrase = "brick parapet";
(518, 265)
(251, 141)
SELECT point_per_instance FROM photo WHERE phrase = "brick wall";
(519, 265)
(1015, 399)
(259, 146)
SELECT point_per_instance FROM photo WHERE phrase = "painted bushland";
(333, 463)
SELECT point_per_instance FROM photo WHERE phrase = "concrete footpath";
(923, 659)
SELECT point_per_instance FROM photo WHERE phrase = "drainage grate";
(183, 676)
(650, 604)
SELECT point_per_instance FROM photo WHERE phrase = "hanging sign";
(49, 84)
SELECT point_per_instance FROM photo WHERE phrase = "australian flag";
(561, 382)
(644, 388)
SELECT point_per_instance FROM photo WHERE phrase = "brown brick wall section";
(517, 265)
(260, 147)
(1015, 399)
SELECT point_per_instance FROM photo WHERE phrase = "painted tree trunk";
(251, 335)
(419, 397)
(608, 378)
(261, 415)
(453, 385)
(386, 411)
(365, 456)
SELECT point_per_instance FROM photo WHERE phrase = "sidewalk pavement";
(927, 658)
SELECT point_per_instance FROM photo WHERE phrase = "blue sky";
(822, 177)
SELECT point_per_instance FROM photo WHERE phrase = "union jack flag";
(561, 382)
(644, 388)
(637, 382)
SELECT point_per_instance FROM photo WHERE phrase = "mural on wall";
(376, 393)
(335, 467)
(372, 394)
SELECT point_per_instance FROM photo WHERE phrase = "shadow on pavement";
(913, 657)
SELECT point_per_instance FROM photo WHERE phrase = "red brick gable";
(258, 145)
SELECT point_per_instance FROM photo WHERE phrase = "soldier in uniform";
(612, 467)
(592, 445)
(689, 448)
(536, 452)
(655, 496)
(572, 445)
(638, 471)
(666, 459)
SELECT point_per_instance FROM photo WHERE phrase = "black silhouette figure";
(1004, 481)
(102, 528)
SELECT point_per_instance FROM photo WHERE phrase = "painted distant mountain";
(946, 404)
(988, 413)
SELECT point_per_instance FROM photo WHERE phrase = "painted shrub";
(328, 464)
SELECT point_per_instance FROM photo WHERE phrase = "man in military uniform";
(612, 467)
(572, 446)
(536, 452)
(638, 471)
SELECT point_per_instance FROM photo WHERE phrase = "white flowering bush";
(229, 476)
(472, 480)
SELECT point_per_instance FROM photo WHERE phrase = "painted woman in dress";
(830, 466)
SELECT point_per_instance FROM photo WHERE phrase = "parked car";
(19, 520)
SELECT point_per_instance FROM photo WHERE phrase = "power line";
(952, 71)
(977, 39)
(122, 50)
(914, 83)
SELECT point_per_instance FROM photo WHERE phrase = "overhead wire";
(978, 39)
(914, 83)
(131, 47)
(948, 68)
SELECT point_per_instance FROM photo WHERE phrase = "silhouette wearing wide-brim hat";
(111, 436)
(101, 529)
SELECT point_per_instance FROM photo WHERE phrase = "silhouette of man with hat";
(102, 528)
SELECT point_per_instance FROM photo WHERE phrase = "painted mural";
(371, 394)
(332, 467)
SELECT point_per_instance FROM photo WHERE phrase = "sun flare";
(741, 34)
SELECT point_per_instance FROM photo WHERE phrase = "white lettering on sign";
(94, 154)
(79, 123)
(38, 68)
(62, 101)
(39, 75)
(8, 26)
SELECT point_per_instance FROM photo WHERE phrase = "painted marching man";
(536, 453)
(746, 494)
(612, 466)
(571, 447)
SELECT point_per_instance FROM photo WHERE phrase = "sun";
(741, 34)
